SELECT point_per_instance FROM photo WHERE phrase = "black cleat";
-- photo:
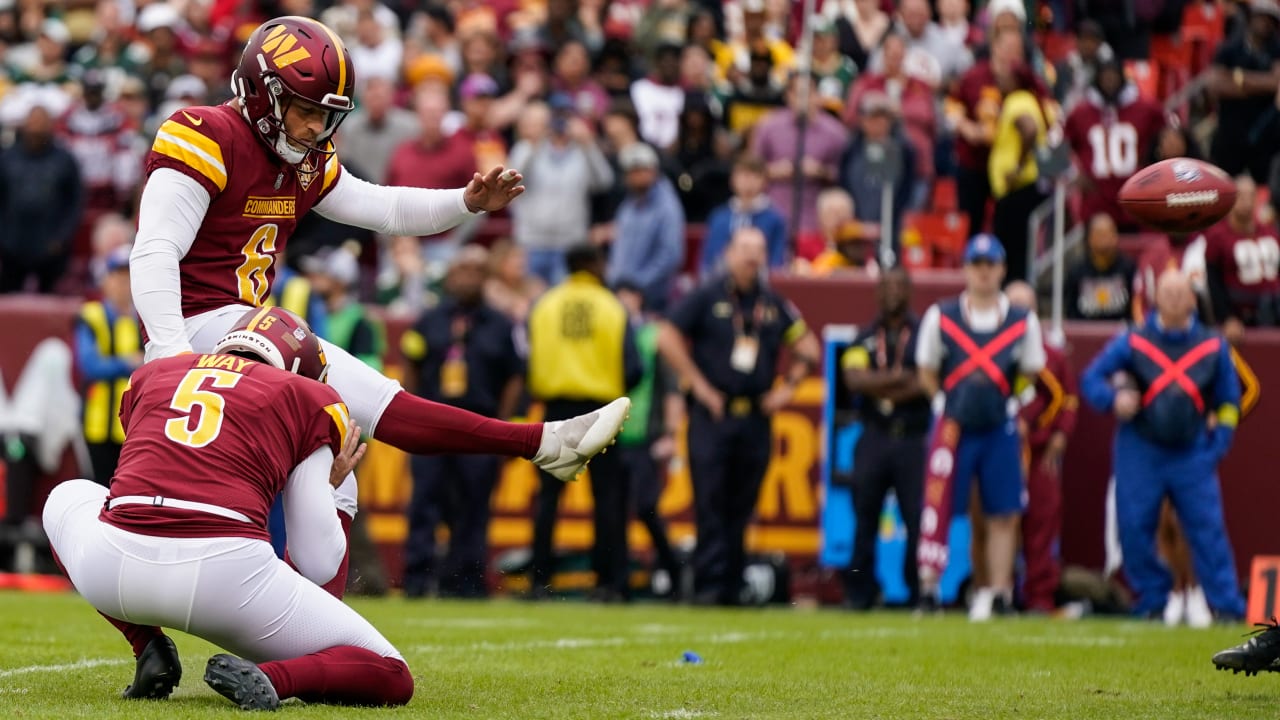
(1259, 653)
(241, 682)
(157, 673)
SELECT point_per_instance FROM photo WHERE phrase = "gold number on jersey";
(189, 397)
(251, 276)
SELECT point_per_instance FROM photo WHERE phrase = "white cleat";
(1175, 608)
(980, 606)
(568, 445)
(1199, 615)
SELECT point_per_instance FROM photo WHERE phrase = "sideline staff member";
(582, 351)
(736, 327)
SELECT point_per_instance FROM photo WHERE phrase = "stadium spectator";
(880, 156)
(861, 24)
(1170, 440)
(1242, 266)
(158, 43)
(376, 52)
(435, 159)
(748, 206)
(510, 288)
(649, 230)
(620, 129)
(1076, 72)
(582, 349)
(529, 80)
(461, 352)
(377, 128)
(1021, 130)
(110, 231)
(665, 21)
(1128, 29)
(208, 61)
(1179, 251)
(974, 422)
(1111, 131)
(433, 31)
(698, 78)
(572, 76)
(647, 444)
(1243, 79)
(659, 98)
(562, 165)
(879, 368)
(105, 147)
(752, 95)
(44, 61)
(931, 55)
(1099, 285)
(1045, 424)
(403, 285)
(477, 94)
(954, 25)
(183, 92)
(841, 242)
(834, 71)
(915, 103)
(731, 368)
(776, 139)
(563, 23)
(41, 202)
(698, 164)
(739, 52)
(108, 346)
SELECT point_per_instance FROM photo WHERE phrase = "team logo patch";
(1186, 172)
(307, 172)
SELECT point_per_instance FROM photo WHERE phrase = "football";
(1178, 195)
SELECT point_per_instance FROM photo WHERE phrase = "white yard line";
(571, 643)
(471, 623)
(682, 713)
(78, 665)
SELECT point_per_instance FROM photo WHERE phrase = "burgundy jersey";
(977, 97)
(1163, 255)
(1110, 143)
(221, 430)
(1249, 262)
(257, 200)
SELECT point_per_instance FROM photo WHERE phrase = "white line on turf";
(78, 665)
(1067, 641)
(682, 713)
(578, 643)
(471, 623)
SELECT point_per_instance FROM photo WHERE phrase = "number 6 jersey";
(221, 430)
(256, 202)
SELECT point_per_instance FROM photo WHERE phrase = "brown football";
(1178, 195)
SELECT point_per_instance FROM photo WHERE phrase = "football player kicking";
(180, 540)
(225, 189)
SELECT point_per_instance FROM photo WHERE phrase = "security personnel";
(463, 353)
(879, 368)
(1178, 403)
(736, 327)
(582, 353)
(975, 354)
(108, 349)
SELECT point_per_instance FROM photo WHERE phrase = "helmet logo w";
(282, 48)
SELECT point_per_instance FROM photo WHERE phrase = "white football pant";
(233, 592)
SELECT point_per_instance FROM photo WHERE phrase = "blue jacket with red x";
(1184, 378)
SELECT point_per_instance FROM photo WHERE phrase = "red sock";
(342, 676)
(137, 635)
(336, 587)
(423, 427)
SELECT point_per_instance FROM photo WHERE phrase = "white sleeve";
(316, 542)
(393, 210)
(172, 209)
(929, 340)
(1033, 355)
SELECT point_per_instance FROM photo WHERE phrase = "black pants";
(973, 190)
(880, 462)
(453, 489)
(104, 457)
(727, 460)
(14, 271)
(1010, 226)
(646, 487)
(609, 496)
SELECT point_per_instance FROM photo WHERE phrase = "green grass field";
(508, 659)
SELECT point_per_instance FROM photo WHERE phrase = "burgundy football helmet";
(280, 339)
(292, 59)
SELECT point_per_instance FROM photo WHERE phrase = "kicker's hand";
(493, 191)
(347, 459)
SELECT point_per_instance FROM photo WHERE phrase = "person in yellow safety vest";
(293, 292)
(108, 346)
